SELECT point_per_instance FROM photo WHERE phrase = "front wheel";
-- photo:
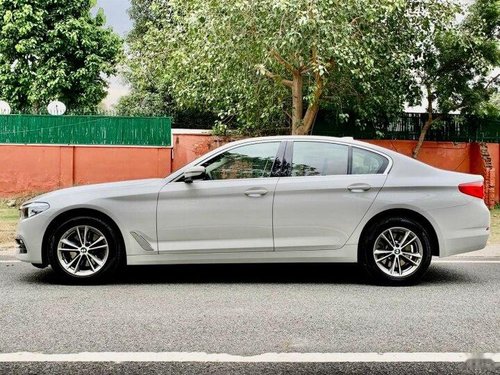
(84, 249)
(396, 251)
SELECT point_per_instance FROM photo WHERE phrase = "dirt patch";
(9, 216)
(495, 226)
(17, 200)
(7, 232)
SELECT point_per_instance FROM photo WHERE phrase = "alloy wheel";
(82, 250)
(398, 252)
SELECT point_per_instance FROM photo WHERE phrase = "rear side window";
(367, 162)
(319, 159)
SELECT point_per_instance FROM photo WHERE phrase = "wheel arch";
(402, 212)
(62, 217)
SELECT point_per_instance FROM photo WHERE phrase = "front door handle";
(255, 192)
(358, 188)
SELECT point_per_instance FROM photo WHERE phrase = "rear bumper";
(467, 241)
(463, 228)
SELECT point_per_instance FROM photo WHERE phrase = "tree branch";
(492, 80)
(282, 61)
(276, 77)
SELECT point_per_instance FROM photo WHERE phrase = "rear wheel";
(84, 249)
(396, 251)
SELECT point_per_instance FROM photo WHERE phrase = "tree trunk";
(297, 103)
(312, 110)
(421, 138)
(310, 117)
(426, 126)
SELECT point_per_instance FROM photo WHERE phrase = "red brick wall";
(494, 151)
(482, 163)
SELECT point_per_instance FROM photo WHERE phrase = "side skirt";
(347, 254)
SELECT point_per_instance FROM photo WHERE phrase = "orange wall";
(25, 169)
(31, 169)
(98, 164)
(459, 157)
(189, 146)
(445, 155)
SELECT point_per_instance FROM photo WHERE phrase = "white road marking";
(266, 357)
(10, 261)
(467, 261)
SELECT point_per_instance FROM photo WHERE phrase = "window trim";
(290, 149)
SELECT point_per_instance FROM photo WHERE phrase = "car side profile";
(262, 200)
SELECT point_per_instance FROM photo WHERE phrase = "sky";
(116, 17)
(116, 14)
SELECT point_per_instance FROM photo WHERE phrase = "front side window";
(249, 161)
(367, 162)
(319, 159)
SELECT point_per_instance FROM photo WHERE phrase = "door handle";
(358, 188)
(256, 192)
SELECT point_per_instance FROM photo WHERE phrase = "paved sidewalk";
(490, 251)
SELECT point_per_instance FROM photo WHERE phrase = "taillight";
(474, 189)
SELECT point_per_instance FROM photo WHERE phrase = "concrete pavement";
(248, 310)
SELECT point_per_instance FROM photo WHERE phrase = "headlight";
(32, 209)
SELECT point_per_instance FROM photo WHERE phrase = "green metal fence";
(86, 130)
(455, 128)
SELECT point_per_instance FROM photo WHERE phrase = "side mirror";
(194, 173)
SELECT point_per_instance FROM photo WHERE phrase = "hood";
(103, 189)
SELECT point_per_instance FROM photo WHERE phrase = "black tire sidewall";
(368, 242)
(114, 256)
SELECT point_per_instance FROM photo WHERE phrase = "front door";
(229, 210)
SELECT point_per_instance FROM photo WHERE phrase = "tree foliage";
(268, 66)
(455, 61)
(149, 94)
(262, 62)
(55, 49)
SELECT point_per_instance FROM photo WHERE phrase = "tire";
(389, 261)
(85, 250)
(39, 265)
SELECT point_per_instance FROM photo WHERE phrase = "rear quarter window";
(368, 162)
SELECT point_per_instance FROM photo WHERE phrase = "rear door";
(326, 190)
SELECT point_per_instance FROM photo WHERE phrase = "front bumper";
(29, 238)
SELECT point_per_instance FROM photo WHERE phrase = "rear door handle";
(255, 192)
(358, 188)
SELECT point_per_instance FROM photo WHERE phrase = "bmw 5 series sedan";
(274, 199)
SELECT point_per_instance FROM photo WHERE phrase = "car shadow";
(305, 273)
(246, 273)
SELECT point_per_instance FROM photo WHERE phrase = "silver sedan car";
(274, 199)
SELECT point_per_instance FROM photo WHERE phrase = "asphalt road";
(249, 310)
